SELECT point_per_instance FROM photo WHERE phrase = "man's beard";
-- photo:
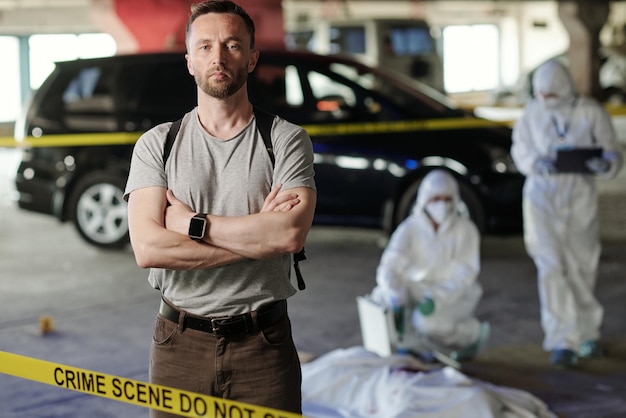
(224, 88)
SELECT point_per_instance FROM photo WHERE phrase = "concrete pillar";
(104, 17)
(583, 20)
(156, 25)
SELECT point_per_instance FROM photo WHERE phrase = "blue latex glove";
(426, 306)
(598, 165)
(544, 166)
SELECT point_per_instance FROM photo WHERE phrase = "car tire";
(471, 204)
(99, 211)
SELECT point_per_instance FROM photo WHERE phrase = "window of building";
(410, 41)
(471, 57)
(347, 39)
(10, 81)
(43, 51)
(46, 49)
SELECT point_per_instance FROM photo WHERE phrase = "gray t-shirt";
(228, 178)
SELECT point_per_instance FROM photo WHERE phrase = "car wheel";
(99, 211)
(471, 205)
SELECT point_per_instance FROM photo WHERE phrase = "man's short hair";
(221, 6)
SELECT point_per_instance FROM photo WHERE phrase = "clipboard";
(377, 329)
(381, 337)
(573, 160)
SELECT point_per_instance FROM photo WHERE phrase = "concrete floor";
(103, 310)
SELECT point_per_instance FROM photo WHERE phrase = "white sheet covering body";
(356, 383)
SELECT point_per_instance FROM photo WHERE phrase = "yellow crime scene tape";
(127, 138)
(338, 129)
(121, 389)
(70, 140)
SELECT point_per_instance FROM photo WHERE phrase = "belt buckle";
(216, 323)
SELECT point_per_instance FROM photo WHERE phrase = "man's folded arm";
(266, 234)
(157, 247)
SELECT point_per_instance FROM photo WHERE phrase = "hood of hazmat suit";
(553, 86)
(438, 183)
(420, 261)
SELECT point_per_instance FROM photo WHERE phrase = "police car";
(375, 136)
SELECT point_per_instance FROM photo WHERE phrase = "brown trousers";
(260, 369)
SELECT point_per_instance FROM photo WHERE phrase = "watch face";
(197, 227)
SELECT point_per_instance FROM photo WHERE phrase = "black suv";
(375, 135)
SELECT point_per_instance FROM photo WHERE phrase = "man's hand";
(177, 214)
(283, 203)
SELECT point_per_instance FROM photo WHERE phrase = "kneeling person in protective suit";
(428, 273)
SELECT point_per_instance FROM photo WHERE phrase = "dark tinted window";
(77, 98)
(156, 91)
(115, 95)
(384, 96)
(308, 92)
(410, 40)
(88, 101)
(136, 94)
(347, 39)
(277, 89)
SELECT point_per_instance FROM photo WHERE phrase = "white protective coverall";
(561, 230)
(442, 264)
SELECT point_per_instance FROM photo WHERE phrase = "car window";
(329, 92)
(294, 94)
(156, 91)
(89, 102)
(307, 91)
(342, 92)
(76, 98)
(335, 98)
(277, 89)
(83, 86)
(394, 99)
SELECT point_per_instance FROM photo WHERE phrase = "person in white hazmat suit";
(429, 272)
(561, 230)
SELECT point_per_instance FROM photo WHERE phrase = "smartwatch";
(197, 226)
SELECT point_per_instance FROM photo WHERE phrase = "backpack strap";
(264, 122)
(170, 138)
(264, 125)
(297, 257)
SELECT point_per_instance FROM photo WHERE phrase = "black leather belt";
(229, 325)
